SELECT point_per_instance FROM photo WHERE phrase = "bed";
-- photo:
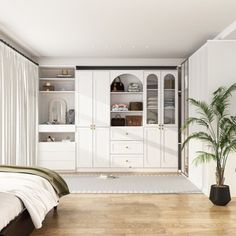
(26, 196)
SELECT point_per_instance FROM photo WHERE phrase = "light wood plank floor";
(139, 214)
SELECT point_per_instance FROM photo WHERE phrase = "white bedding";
(10, 207)
(35, 192)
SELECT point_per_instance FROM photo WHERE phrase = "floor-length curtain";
(18, 108)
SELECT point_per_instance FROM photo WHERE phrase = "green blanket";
(55, 179)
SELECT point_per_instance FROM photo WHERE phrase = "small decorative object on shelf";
(50, 139)
(117, 85)
(134, 87)
(150, 121)
(136, 106)
(119, 107)
(66, 140)
(118, 121)
(64, 74)
(57, 111)
(71, 116)
(133, 120)
(48, 87)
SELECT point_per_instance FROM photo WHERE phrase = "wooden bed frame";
(22, 225)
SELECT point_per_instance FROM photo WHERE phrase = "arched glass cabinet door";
(152, 99)
(169, 99)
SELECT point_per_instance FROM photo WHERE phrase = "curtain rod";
(22, 54)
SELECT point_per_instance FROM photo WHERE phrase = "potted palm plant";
(218, 131)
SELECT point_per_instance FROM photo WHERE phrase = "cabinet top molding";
(126, 67)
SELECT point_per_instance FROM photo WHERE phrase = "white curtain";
(18, 108)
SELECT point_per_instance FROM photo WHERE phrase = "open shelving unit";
(56, 83)
(126, 97)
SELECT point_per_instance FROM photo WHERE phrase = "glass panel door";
(152, 99)
(169, 99)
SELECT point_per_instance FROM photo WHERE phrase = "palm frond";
(220, 101)
(204, 108)
(203, 157)
(229, 148)
(200, 136)
(199, 121)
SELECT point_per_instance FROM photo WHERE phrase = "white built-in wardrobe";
(152, 145)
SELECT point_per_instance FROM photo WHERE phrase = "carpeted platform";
(130, 184)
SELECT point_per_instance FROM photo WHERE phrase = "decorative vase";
(220, 195)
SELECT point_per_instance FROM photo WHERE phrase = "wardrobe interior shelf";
(61, 142)
(55, 92)
(126, 111)
(126, 93)
(57, 79)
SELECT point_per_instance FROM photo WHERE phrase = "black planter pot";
(220, 195)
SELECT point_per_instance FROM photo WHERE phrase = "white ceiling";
(115, 28)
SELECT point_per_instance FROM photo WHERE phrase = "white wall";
(211, 66)
(197, 90)
(111, 61)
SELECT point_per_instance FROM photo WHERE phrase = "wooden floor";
(139, 214)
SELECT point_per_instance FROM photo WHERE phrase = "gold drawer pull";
(127, 133)
(127, 147)
(127, 161)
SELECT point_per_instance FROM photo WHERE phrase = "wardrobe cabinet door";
(84, 98)
(152, 148)
(84, 147)
(101, 156)
(169, 98)
(170, 148)
(101, 88)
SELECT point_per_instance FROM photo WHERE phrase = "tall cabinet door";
(170, 147)
(153, 96)
(84, 98)
(169, 98)
(153, 147)
(101, 98)
(84, 147)
(101, 142)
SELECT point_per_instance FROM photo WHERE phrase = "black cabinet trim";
(126, 67)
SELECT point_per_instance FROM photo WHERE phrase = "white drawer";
(56, 156)
(129, 161)
(57, 146)
(57, 165)
(127, 147)
(56, 128)
(127, 133)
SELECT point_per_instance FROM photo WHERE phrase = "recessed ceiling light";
(147, 46)
(133, 46)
